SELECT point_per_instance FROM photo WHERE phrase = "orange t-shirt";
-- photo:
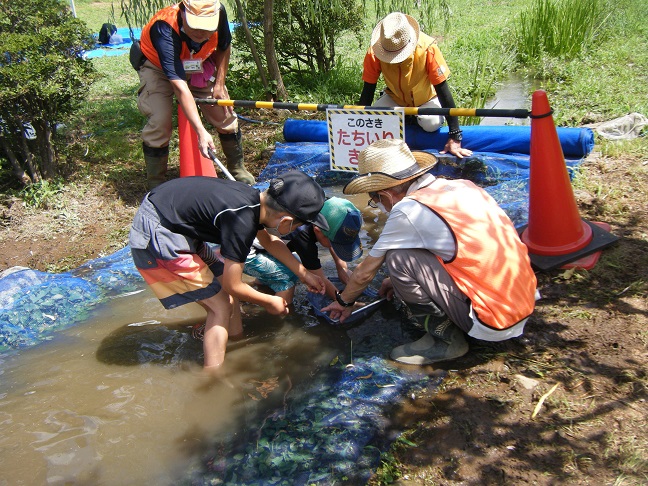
(410, 82)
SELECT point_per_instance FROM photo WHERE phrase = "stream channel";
(121, 398)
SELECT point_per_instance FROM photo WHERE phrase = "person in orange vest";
(415, 74)
(186, 50)
(453, 256)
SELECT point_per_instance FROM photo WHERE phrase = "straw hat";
(394, 38)
(202, 14)
(388, 163)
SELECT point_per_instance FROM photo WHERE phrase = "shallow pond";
(121, 398)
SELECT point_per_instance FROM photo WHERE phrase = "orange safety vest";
(408, 82)
(491, 265)
(170, 16)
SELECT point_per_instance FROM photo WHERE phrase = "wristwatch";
(338, 297)
(455, 135)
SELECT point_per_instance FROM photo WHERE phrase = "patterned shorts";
(270, 272)
(179, 269)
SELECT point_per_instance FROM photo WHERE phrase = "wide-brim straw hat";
(388, 163)
(394, 38)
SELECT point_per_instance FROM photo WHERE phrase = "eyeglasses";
(371, 203)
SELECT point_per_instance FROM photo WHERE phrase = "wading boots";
(442, 340)
(232, 146)
(157, 160)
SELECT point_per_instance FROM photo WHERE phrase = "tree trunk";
(253, 50)
(271, 55)
(46, 152)
(34, 173)
(18, 171)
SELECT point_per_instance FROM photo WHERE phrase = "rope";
(544, 115)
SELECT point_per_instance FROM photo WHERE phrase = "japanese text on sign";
(350, 131)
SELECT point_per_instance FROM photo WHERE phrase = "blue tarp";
(123, 47)
(575, 142)
(117, 49)
(504, 176)
(332, 431)
(35, 305)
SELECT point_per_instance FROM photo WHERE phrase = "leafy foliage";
(43, 78)
(305, 31)
(41, 194)
(137, 13)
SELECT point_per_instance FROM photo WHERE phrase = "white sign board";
(350, 131)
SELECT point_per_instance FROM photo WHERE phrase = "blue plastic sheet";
(332, 431)
(117, 49)
(35, 305)
(575, 142)
(503, 176)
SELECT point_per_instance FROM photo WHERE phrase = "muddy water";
(122, 398)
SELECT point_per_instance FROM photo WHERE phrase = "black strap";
(545, 115)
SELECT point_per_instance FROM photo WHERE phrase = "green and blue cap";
(344, 221)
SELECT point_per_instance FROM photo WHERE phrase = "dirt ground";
(564, 404)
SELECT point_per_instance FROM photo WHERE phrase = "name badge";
(192, 66)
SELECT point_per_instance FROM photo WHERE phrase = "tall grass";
(560, 28)
(482, 87)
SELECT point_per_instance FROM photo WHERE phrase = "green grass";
(95, 13)
(560, 28)
(606, 81)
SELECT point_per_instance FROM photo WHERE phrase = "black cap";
(299, 195)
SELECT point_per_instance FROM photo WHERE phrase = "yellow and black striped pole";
(274, 105)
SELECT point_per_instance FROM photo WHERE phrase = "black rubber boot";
(233, 149)
(157, 160)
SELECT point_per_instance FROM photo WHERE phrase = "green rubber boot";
(233, 149)
(442, 342)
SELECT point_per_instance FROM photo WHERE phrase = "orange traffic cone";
(192, 162)
(555, 234)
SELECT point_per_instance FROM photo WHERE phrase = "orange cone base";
(568, 247)
(601, 239)
(588, 262)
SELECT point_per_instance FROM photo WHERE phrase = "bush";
(43, 78)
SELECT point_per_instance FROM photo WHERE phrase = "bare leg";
(287, 295)
(236, 321)
(219, 311)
